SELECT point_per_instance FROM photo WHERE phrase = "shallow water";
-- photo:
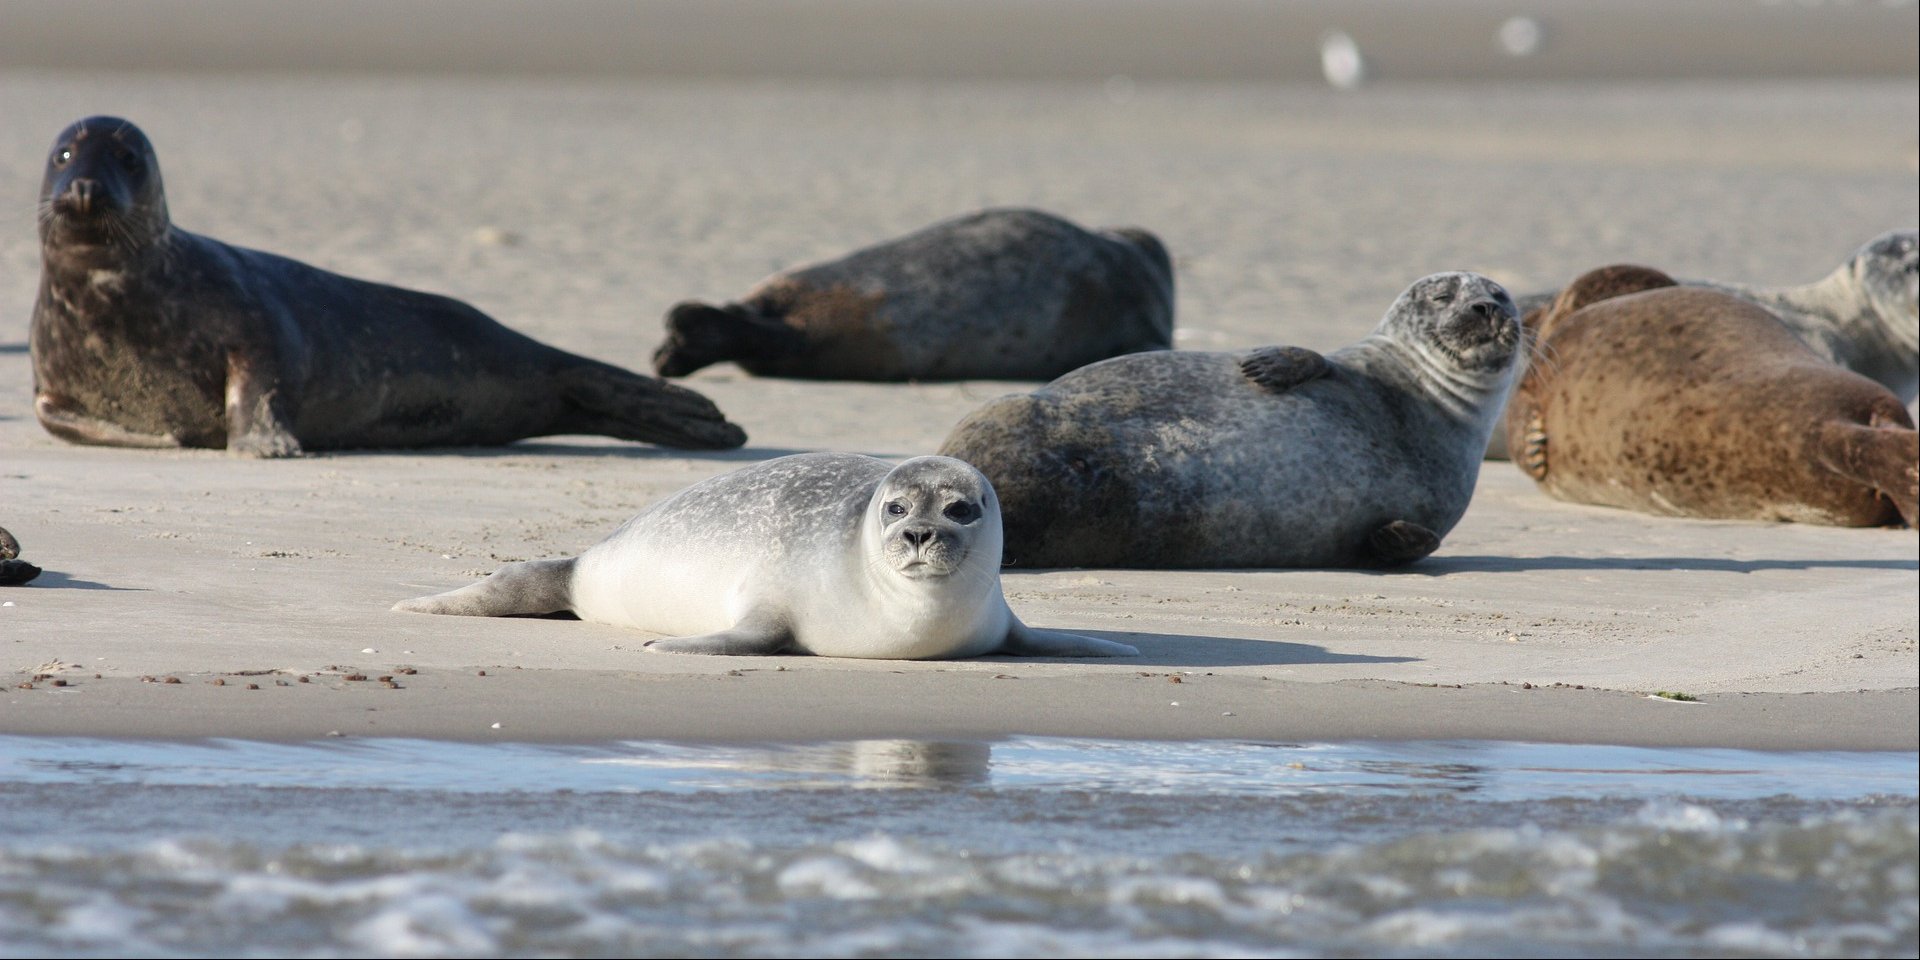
(1022, 846)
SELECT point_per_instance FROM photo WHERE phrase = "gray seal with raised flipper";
(1275, 457)
(1005, 294)
(832, 554)
(146, 335)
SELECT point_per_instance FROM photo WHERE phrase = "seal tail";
(700, 334)
(530, 588)
(609, 401)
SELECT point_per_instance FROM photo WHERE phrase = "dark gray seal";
(832, 554)
(1001, 294)
(13, 570)
(145, 335)
(1864, 316)
(1277, 457)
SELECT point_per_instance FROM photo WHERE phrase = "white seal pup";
(1275, 457)
(832, 554)
(1864, 316)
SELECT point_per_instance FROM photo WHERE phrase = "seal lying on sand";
(1001, 294)
(146, 335)
(1692, 402)
(1864, 316)
(13, 571)
(1277, 457)
(832, 554)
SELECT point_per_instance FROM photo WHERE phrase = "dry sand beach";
(577, 210)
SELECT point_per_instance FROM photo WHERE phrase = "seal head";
(935, 517)
(1888, 271)
(102, 194)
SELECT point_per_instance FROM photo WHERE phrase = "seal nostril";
(917, 537)
(82, 192)
(1486, 309)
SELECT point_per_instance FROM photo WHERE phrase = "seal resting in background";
(13, 570)
(1276, 457)
(1692, 402)
(145, 335)
(832, 554)
(1864, 316)
(1000, 294)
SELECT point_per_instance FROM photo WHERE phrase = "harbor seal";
(1692, 402)
(1864, 316)
(13, 570)
(1000, 294)
(1276, 457)
(146, 335)
(832, 554)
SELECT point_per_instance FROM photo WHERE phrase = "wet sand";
(577, 210)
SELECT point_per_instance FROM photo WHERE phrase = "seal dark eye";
(1442, 298)
(961, 511)
(896, 509)
(61, 156)
(128, 159)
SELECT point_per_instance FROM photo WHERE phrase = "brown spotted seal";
(1000, 294)
(1692, 402)
(145, 335)
(1277, 457)
(832, 554)
(1864, 316)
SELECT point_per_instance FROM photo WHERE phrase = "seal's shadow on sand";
(1184, 650)
(1440, 566)
(59, 581)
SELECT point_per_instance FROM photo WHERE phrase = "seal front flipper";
(1025, 641)
(1401, 542)
(255, 426)
(613, 402)
(529, 588)
(754, 636)
(1280, 369)
(700, 334)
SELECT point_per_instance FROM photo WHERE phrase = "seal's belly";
(676, 593)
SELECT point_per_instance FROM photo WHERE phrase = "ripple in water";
(895, 848)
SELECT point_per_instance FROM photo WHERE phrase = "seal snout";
(79, 196)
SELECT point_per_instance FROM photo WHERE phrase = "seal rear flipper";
(530, 588)
(16, 572)
(1884, 456)
(700, 334)
(1401, 542)
(1280, 369)
(612, 402)
(1025, 641)
(754, 636)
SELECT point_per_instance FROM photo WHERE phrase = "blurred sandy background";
(573, 168)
